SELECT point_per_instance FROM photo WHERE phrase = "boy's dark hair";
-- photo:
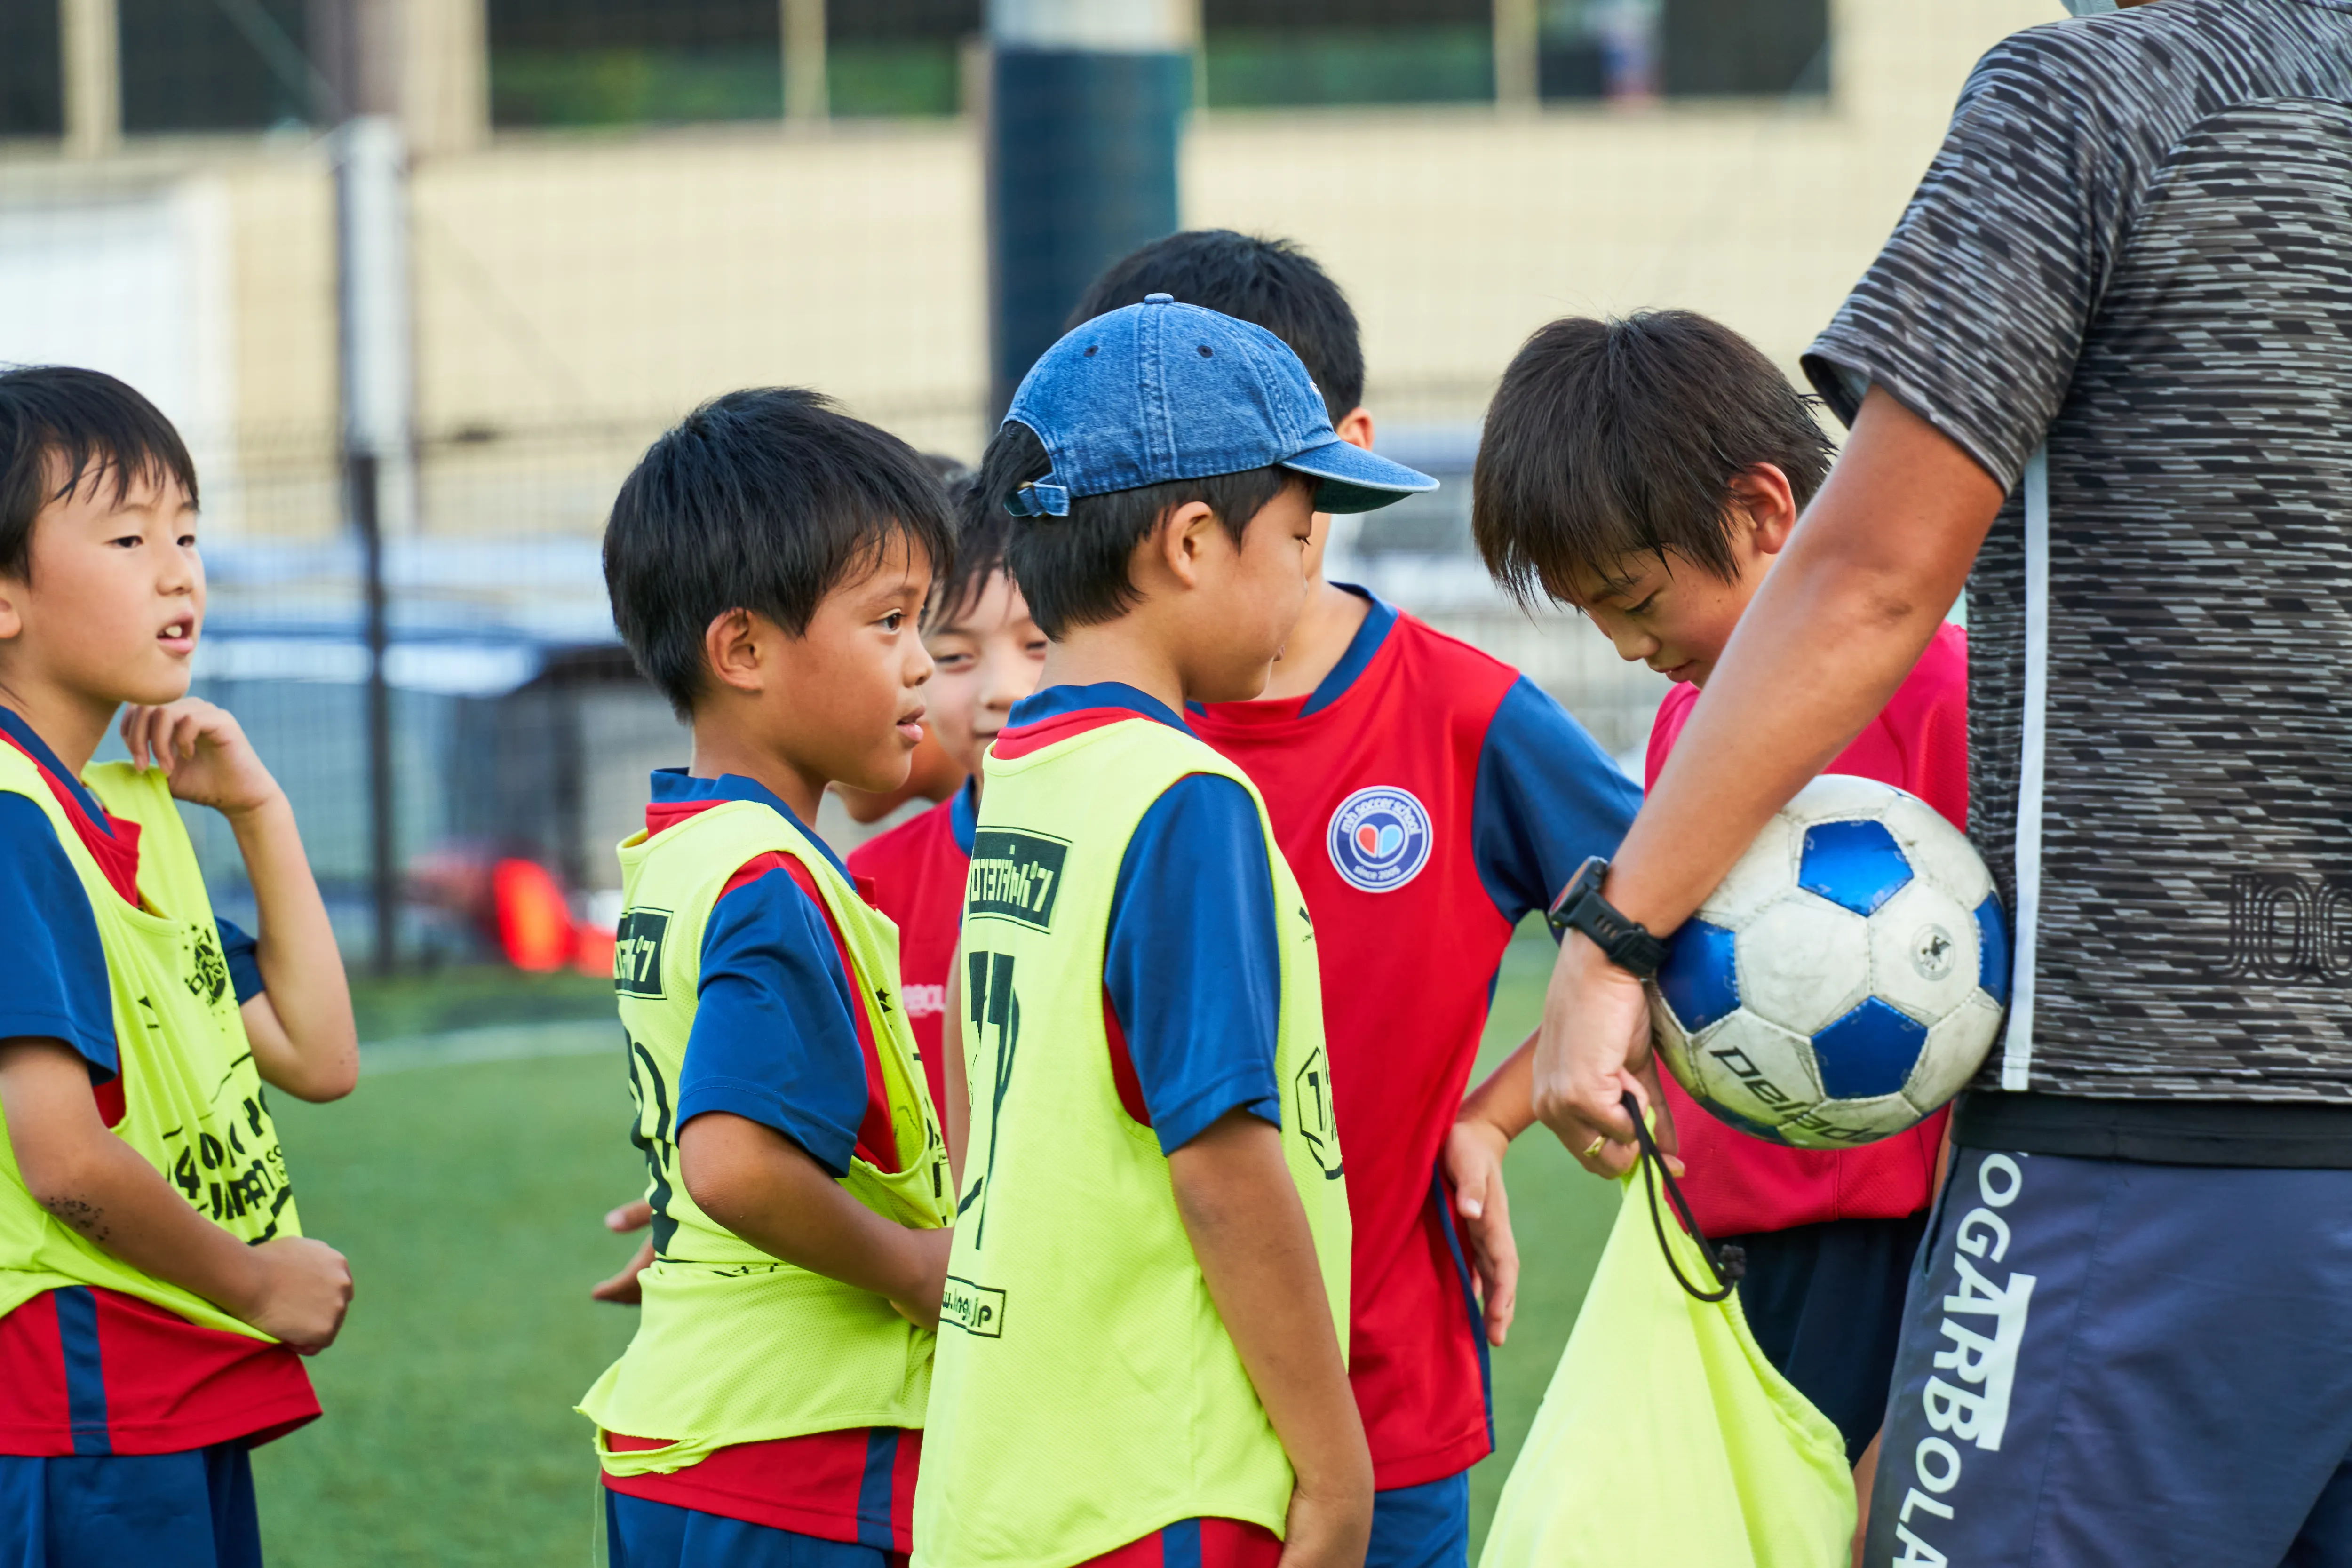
(88, 424)
(762, 499)
(981, 531)
(1610, 437)
(1269, 283)
(1073, 570)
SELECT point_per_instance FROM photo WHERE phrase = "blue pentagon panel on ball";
(1699, 979)
(1993, 948)
(1869, 1052)
(1854, 865)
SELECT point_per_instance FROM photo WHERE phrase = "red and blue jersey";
(1736, 1184)
(778, 1039)
(1427, 797)
(83, 1370)
(915, 874)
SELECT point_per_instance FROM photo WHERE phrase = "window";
(32, 82)
(197, 65)
(1262, 53)
(1745, 48)
(619, 62)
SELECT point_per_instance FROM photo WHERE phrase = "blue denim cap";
(1161, 391)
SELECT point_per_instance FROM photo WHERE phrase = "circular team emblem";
(1380, 839)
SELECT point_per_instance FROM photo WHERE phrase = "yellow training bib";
(193, 1104)
(1087, 1392)
(734, 1346)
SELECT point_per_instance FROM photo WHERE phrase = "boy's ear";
(1761, 492)
(12, 612)
(1356, 427)
(734, 646)
(1180, 542)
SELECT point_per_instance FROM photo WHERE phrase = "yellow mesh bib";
(1087, 1392)
(734, 1346)
(193, 1104)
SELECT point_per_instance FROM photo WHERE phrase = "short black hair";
(762, 499)
(1612, 437)
(1073, 570)
(981, 534)
(1269, 283)
(89, 425)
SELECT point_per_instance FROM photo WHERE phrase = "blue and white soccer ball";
(1847, 977)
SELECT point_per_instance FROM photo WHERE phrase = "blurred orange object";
(932, 775)
(592, 952)
(534, 922)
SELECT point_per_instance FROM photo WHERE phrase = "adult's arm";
(1875, 564)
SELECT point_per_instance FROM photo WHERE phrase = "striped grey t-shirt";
(2136, 248)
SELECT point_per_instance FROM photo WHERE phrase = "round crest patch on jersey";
(1380, 839)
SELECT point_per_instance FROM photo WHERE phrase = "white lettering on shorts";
(1984, 1323)
(923, 1001)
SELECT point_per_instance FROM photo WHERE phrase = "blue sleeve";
(1547, 797)
(1193, 964)
(773, 1038)
(57, 986)
(238, 948)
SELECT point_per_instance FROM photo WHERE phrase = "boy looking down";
(1426, 796)
(767, 561)
(1648, 471)
(154, 1283)
(1144, 1354)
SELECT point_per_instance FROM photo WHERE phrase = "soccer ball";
(1845, 979)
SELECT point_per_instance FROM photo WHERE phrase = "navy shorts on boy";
(188, 1509)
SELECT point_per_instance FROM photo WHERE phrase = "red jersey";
(1738, 1183)
(915, 874)
(1426, 796)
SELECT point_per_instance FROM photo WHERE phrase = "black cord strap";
(1726, 1263)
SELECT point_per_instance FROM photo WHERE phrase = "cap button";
(1160, 299)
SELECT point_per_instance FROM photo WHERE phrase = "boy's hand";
(919, 1305)
(1329, 1527)
(622, 1289)
(204, 752)
(1473, 1164)
(304, 1287)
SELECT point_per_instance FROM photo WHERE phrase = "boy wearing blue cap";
(1142, 1355)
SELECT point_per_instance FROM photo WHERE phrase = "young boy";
(986, 650)
(155, 1288)
(767, 561)
(1149, 1286)
(1648, 472)
(1426, 796)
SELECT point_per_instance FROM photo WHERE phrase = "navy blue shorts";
(642, 1533)
(193, 1509)
(2110, 1362)
(1825, 1304)
(1427, 1526)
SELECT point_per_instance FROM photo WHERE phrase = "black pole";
(383, 862)
(1082, 164)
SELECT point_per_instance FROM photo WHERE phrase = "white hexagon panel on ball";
(1803, 962)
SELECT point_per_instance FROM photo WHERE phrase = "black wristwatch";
(1627, 942)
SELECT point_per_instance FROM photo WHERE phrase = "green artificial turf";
(469, 1201)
